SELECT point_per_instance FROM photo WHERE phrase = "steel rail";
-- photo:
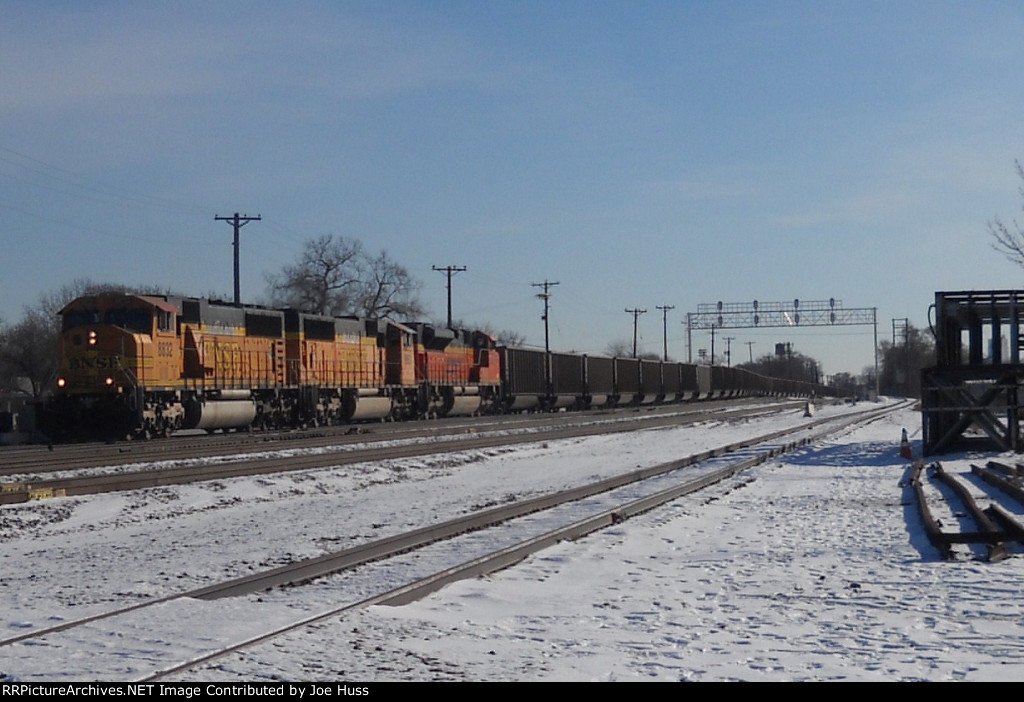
(506, 557)
(246, 465)
(16, 460)
(996, 526)
(320, 566)
(991, 535)
(309, 569)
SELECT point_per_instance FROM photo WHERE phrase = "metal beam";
(798, 313)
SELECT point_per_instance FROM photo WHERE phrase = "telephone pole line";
(636, 315)
(450, 271)
(664, 327)
(546, 296)
(238, 221)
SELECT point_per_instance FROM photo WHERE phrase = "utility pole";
(450, 271)
(238, 221)
(636, 315)
(901, 328)
(546, 296)
(728, 351)
(689, 337)
(750, 349)
(664, 327)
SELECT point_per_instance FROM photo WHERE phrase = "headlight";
(61, 382)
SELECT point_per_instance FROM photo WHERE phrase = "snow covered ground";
(811, 567)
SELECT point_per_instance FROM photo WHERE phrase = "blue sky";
(641, 154)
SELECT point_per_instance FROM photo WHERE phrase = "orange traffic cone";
(905, 451)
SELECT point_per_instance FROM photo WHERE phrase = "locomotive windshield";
(80, 318)
(135, 320)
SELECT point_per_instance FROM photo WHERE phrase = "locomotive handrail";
(133, 380)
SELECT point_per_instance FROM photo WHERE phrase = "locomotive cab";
(112, 343)
(457, 370)
(112, 349)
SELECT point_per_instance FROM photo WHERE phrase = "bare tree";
(507, 337)
(324, 280)
(388, 290)
(1009, 240)
(791, 364)
(619, 348)
(335, 276)
(902, 362)
(502, 337)
(28, 351)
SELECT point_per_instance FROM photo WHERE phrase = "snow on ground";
(811, 567)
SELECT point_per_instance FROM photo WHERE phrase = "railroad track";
(957, 511)
(179, 466)
(41, 460)
(186, 630)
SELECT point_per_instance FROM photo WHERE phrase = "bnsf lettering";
(98, 363)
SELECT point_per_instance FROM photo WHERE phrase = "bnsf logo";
(98, 363)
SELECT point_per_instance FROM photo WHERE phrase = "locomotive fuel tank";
(364, 404)
(224, 409)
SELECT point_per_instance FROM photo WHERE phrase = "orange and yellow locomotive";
(148, 365)
(152, 364)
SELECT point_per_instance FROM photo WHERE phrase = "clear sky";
(641, 154)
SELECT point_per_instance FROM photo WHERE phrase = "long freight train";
(148, 365)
